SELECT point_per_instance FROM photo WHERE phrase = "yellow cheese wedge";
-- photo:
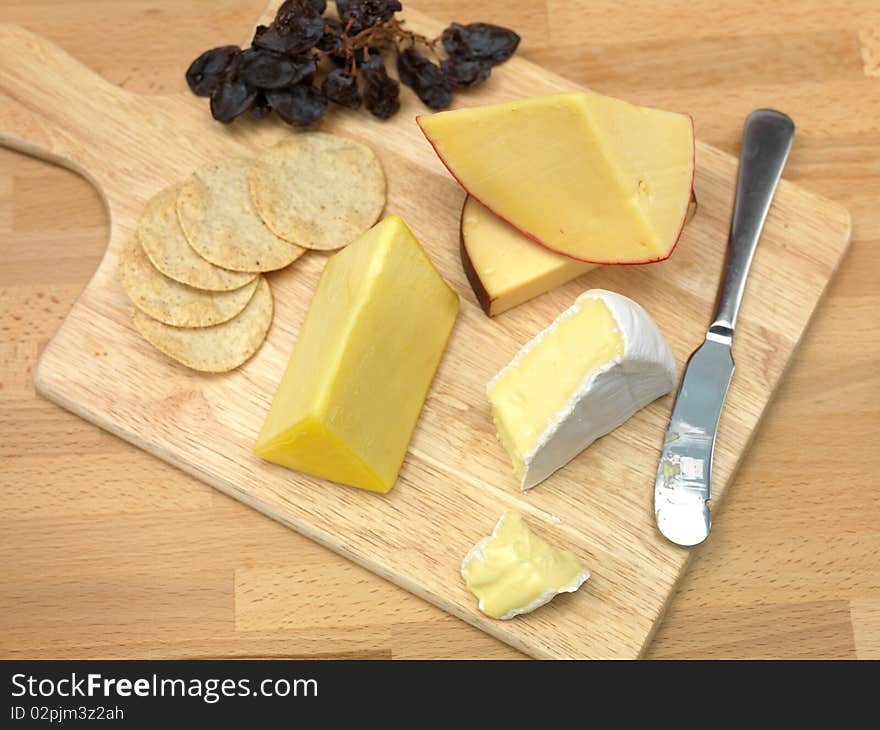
(504, 267)
(586, 175)
(598, 363)
(514, 571)
(364, 361)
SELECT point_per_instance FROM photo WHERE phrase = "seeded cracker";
(218, 218)
(170, 301)
(318, 190)
(214, 349)
(162, 238)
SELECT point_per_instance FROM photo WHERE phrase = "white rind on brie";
(609, 395)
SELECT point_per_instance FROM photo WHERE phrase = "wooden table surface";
(108, 552)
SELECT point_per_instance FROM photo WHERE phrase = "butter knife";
(683, 484)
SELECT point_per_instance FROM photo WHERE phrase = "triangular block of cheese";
(586, 175)
(594, 366)
(504, 267)
(363, 363)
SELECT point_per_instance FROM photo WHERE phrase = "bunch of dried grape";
(278, 72)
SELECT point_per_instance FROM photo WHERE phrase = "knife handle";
(767, 138)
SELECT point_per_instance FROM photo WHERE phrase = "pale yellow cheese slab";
(586, 175)
(504, 267)
(363, 363)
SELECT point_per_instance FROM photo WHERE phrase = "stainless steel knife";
(684, 474)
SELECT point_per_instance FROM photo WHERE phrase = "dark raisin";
(409, 64)
(381, 92)
(269, 37)
(480, 42)
(463, 73)
(307, 67)
(356, 15)
(258, 31)
(332, 38)
(359, 54)
(207, 72)
(270, 70)
(300, 105)
(310, 8)
(261, 106)
(425, 78)
(293, 34)
(342, 88)
(231, 99)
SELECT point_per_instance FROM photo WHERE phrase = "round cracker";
(214, 349)
(219, 220)
(318, 190)
(162, 237)
(170, 301)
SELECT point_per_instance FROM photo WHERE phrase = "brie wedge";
(514, 571)
(598, 363)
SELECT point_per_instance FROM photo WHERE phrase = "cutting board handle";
(54, 107)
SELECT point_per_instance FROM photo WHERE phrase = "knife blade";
(683, 484)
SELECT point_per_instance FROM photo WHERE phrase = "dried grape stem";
(384, 36)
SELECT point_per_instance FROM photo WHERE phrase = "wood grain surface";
(112, 553)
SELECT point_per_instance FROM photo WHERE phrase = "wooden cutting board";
(456, 480)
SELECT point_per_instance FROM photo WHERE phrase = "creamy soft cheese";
(513, 571)
(598, 363)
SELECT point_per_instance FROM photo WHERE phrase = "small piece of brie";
(598, 363)
(514, 571)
